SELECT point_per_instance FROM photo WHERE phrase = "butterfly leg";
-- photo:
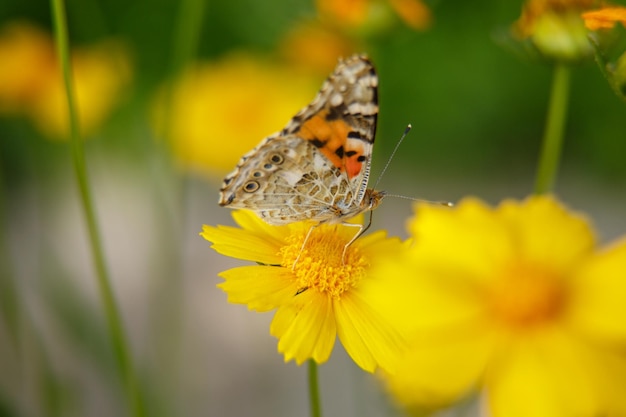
(362, 229)
(306, 239)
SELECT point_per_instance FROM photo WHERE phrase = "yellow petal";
(546, 374)
(305, 328)
(241, 244)
(252, 223)
(545, 233)
(598, 296)
(261, 288)
(417, 298)
(614, 363)
(441, 368)
(368, 338)
(470, 231)
(377, 245)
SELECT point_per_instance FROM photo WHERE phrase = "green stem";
(553, 134)
(112, 314)
(187, 33)
(314, 394)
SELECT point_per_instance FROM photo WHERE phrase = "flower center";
(527, 295)
(319, 263)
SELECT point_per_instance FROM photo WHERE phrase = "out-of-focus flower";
(323, 45)
(555, 28)
(516, 302)
(319, 297)
(28, 65)
(605, 18)
(101, 72)
(413, 12)
(218, 111)
(31, 82)
(609, 41)
(368, 15)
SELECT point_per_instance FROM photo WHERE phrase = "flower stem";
(314, 394)
(553, 134)
(112, 314)
(187, 35)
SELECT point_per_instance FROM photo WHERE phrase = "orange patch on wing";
(353, 167)
(333, 135)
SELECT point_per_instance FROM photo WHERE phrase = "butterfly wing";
(317, 167)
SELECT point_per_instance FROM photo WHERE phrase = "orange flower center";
(317, 263)
(527, 295)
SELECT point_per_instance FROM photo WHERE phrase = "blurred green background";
(477, 110)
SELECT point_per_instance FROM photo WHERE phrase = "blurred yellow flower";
(28, 65)
(31, 82)
(218, 111)
(319, 297)
(555, 28)
(360, 14)
(605, 18)
(517, 302)
(101, 72)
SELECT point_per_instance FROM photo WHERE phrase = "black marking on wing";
(318, 143)
(358, 136)
(335, 113)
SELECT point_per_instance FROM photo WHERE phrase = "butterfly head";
(372, 198)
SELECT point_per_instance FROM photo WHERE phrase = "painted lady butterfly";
(317, 167)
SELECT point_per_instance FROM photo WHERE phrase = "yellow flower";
(516, 302)
(101, 72)
(31, 82)
(362, 14)
(318, 297)
(556, 29)
(219, 111)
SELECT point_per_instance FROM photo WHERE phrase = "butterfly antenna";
(406, 131)
(442, 203)
(421, 200)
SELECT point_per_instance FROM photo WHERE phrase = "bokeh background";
(171, 93)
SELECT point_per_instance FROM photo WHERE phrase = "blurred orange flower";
(31, 82)
(556, 28)
(609, 43)
(28, 62)
(359, 14)
(605, 18)
(323, 45)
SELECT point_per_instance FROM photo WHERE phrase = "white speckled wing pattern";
(318, 166)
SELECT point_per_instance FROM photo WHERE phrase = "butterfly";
(317, 167)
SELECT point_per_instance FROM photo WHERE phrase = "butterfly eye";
(251, 186)
(277, 159)
(257, 174)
